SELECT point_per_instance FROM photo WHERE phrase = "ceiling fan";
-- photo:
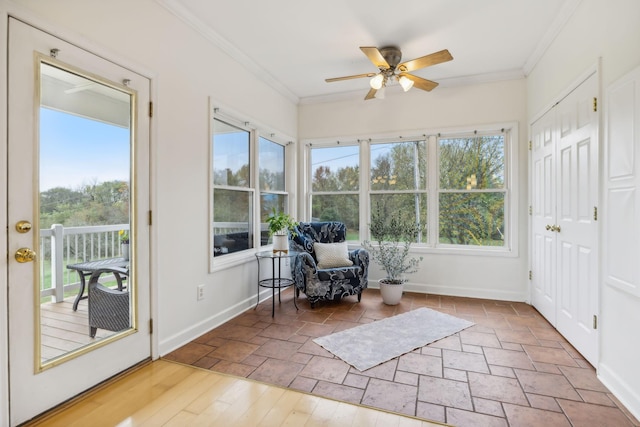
(387, 59)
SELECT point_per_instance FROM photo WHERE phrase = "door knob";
(23, 226)
(548, 227)
(556, 228)
(25, 255)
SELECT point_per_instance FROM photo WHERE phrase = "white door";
(93, 103)
(543, 206)
(564, 229)
(577, 229)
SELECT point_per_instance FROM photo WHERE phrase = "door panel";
(565, 283)
(39, 377)
(543, 213)
(579, 141)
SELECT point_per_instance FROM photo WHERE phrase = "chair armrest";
(360, 257)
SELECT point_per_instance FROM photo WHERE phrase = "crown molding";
(176, 9)
(566, 12)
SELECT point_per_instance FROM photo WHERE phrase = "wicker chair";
(331, 283)
(108, 308)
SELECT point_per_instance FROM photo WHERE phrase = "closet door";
(577, 230)
(543, 206)
(564, 246)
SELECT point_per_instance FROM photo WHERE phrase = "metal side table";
(276, 281)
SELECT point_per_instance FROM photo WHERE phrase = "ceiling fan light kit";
(387, 59)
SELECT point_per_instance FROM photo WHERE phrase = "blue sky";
(75, 151)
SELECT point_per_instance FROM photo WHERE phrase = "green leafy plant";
(393, 236)
(279, 221)
(124, 236)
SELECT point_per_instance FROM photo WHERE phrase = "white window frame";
(511, 155)
(255, 130)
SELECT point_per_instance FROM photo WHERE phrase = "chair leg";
(359, 296)
(92, 331)
(313, 305)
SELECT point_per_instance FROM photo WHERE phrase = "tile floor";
(512, 368)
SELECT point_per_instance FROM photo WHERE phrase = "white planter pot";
(124, 248)
(391, 293)
(280, 243)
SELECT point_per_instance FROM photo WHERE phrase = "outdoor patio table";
(85, 269)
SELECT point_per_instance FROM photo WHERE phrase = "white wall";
(609, 32)
(496, 277)
(186, 69)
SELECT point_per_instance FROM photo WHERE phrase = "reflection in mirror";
(84, 212)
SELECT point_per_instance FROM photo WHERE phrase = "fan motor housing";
(392, 55)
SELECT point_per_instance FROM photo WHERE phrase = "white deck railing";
(60, 246)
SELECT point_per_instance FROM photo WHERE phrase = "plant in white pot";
(280, 225)
(393, 236)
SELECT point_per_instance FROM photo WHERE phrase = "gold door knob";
(548, 227)
(25, 255)
(23, 226)
(557, 228)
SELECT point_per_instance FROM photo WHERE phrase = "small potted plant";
(393, 236)
(124, 244)
(280, 225)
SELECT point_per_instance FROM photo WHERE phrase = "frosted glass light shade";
(405, 83)
(376, 81)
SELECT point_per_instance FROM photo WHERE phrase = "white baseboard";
(187, 335)
(621, 389)
(459, 291)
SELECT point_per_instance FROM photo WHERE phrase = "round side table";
(276, 281)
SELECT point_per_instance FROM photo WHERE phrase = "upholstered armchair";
(108, 308)
(325, 269)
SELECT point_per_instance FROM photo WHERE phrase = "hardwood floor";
(165, 393)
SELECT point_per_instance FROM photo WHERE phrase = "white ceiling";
(294, 45)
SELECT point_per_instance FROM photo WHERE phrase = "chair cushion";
(332, 255)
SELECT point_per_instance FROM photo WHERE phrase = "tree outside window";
(472, 194)
(335, 184)
(398, 181)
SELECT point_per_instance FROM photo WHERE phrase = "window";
(335, 185)
(398, 181)
(232, 194)
(472, 190)
(271, 182)
(456, 186)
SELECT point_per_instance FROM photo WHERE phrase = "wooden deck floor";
(65, 330)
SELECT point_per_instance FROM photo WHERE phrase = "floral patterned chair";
(333, 280)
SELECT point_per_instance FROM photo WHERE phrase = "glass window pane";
(335, 168)
(411, 207)
(269, 202)
(399, 166)
(472, 219)
(230, 155)
(338, 207)
(472, 163)
(232, 224)
(271, 162)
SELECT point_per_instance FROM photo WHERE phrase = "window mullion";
(433, 191)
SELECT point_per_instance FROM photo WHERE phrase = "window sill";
(457, 250)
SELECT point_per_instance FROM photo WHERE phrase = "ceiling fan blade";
(371, 94)
(419, 82)
(356, 76)
(375, 56)
(425, 61)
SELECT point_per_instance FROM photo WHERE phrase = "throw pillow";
(332, 255)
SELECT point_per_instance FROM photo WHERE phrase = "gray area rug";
(369, 345)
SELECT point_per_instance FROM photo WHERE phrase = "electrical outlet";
(200, 290)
